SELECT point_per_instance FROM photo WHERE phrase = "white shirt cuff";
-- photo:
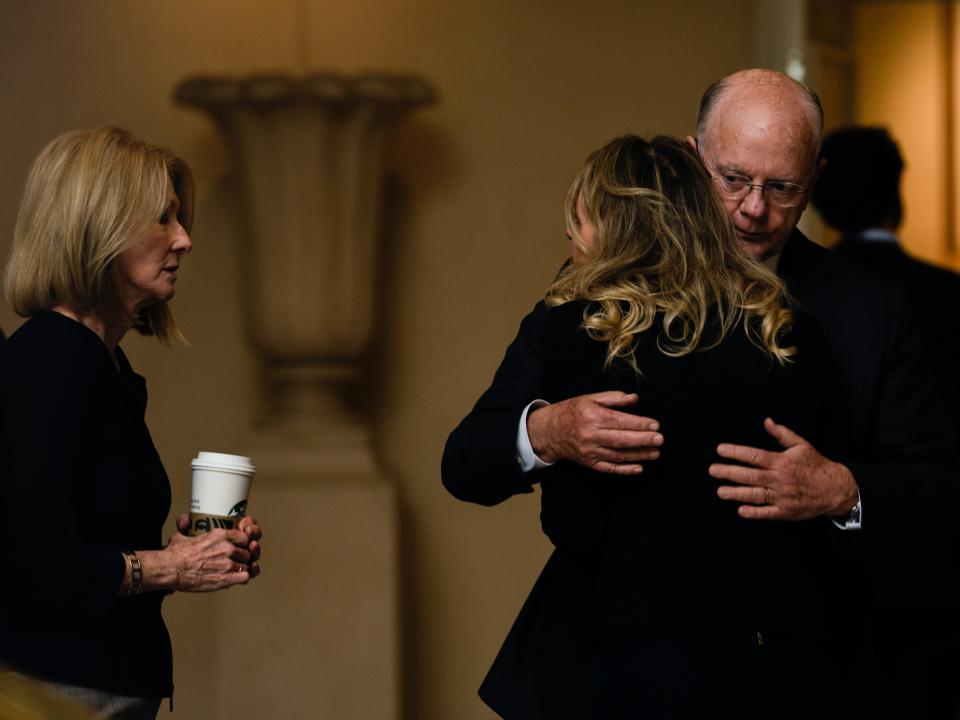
(526, 458)
(856, 518)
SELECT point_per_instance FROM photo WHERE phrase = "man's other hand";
(592, 430)
(796, 483)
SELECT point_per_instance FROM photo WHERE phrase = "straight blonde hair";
(664, 248)
(88, 195)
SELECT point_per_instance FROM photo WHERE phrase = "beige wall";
(473, 236)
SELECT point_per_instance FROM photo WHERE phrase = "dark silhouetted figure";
(858, 193)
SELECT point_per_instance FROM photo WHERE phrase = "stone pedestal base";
(318, 634)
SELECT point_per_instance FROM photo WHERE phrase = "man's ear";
(821, 164)
(692, 142)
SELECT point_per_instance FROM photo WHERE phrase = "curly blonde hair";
(665, 253)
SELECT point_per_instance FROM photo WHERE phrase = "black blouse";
(81, 481)
(664, 552)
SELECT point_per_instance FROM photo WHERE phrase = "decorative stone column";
(324, 620)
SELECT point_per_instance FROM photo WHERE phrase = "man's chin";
(759, 246)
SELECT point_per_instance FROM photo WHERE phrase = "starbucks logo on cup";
(221, 485)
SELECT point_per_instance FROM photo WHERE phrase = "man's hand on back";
(593, 431)
(796, 483)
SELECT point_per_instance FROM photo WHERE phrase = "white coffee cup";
(221, 487)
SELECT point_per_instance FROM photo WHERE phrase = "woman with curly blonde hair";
(655, 251)
(658, 596)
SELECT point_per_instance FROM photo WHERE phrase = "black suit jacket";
(934, 294)
(667, 528)
(903, 447)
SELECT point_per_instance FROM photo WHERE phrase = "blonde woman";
(100, 236)
(659, 600)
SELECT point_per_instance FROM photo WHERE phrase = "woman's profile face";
(149, 265)
(587, 233)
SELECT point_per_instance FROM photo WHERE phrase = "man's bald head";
(758, 82)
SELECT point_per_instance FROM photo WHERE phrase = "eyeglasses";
(737, 187)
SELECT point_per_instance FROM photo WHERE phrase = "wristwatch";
(854, 517)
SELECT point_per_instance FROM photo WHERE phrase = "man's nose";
(754, 204)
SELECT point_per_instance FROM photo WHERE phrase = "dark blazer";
(668, 528)
(934, 294)
(926, 646)
(661, 553)
(80, 482)
(903, 448)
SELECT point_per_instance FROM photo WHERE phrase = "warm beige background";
(472, 235)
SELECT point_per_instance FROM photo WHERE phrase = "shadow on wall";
(421, 164)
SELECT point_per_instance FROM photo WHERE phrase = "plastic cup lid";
(223, 461)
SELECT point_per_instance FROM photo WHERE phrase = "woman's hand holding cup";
(211, 561)
(218, 499)
(248, 525)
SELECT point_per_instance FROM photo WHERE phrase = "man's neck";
(771, 262)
